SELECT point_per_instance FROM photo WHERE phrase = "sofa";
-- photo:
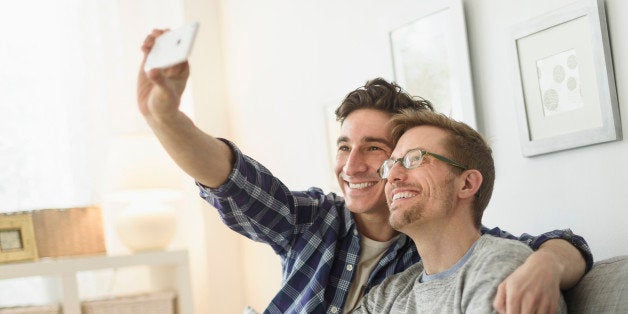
(602, 289)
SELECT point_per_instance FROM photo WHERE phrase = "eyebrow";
(366, 139)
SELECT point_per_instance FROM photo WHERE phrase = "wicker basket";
(41, 309)
(69, 231)
(152, 303)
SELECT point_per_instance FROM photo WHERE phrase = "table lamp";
(144, 188)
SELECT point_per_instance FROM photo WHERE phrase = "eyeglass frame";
(423, 154)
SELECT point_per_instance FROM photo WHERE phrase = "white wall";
(285, 60)
(218, 280)
(584, 188)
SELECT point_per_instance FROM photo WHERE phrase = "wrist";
(164, 118)
(554, 257)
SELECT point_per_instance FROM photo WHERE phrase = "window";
(67, 86)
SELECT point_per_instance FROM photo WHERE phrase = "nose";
(397, 172)
(355, 163)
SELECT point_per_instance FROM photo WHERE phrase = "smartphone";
(172, 47)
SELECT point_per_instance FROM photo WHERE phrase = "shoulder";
(404, 278)
(315, 204)
(492, 261)
(498, 255)
(494, 246)
(394, 287)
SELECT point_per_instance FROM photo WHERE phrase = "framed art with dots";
(564, 82)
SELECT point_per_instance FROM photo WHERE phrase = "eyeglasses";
(412, 159)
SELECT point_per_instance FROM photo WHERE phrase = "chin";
(400, 219)
(394, 221)
(356, 206)
(397, 225)
(360, 205)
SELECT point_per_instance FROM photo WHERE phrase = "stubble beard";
(407, 217)
(414, 212)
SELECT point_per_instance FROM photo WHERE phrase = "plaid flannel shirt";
(316, 237)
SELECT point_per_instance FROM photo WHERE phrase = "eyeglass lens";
(410, 160)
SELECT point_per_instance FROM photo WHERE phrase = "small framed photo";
(431, 60)
(564, 82)
(17, 238)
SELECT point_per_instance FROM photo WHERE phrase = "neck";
(442, 244)
(375, 225)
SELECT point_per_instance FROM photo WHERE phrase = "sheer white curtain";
(67, 85)
(47, 120)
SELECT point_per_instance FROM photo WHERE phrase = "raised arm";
(205, 158)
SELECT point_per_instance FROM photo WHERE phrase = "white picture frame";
(431, 60)
(563, 78)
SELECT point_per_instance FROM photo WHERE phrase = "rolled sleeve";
(534, 242)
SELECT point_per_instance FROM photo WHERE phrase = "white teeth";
(403, 195)
(360, 185)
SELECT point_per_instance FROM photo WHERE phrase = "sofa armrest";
(602, 289)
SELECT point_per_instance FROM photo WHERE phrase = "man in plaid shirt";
(333, 249)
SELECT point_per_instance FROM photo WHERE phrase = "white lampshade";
(143, 197)
(147, 219)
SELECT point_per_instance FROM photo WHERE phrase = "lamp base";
(146, 226)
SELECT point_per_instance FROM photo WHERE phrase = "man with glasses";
(333, 249)
(439, 181)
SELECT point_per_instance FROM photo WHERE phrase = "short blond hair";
(464, 145)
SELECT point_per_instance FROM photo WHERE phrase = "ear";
(472, 180)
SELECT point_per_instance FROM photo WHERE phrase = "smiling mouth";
(359, 186)
(403, 195)
(367, 181)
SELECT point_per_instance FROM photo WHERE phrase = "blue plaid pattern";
(316, 237)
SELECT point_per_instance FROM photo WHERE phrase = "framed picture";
(564, 82)
(17, 239)
(431, 60)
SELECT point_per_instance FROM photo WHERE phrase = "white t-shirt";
(370, 254)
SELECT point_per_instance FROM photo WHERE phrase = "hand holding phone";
(172, 47)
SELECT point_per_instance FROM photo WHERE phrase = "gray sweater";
(467, 287)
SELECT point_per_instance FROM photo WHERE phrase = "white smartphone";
(172, 47)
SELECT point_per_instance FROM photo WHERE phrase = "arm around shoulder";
(569, 247)
(568, 260)
(535, 286)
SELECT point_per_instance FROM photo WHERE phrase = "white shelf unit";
(67, 268)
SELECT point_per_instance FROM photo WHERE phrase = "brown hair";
(465, 145)
(381, 95)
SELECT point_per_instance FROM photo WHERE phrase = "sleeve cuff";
(566, 234)
(229, 186)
